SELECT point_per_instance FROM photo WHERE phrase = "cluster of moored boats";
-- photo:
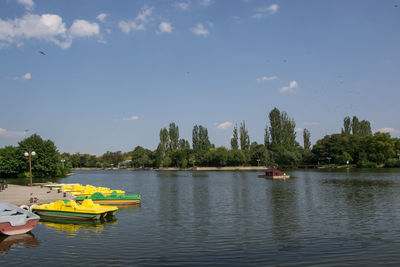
(91, 203)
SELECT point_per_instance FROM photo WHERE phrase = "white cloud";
(27, 3)
(292, 85)
(131, 118)
(46, 27)
(102, 17)
(310, 123)
(127, 26)
(5, 133)
(265, 11)
(200, 30)
(165, 27)
(182, 5)
(388, 130)
(145, 14)
(206, 2)
(263, 79)
(139, 23)
(298, 130)
(83, 28)
(27, 76)
(224, 125)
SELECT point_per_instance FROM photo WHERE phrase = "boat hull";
(7, 229)
(275, 176)
(70, 215)
(116, 202)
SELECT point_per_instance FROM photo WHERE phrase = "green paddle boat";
(114, 199)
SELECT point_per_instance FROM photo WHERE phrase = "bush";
(392, 163)
(364, 163)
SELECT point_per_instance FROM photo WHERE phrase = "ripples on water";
(323, 218)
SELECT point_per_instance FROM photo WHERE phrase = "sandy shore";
(21, 195)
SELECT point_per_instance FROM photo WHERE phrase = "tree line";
(355, 145)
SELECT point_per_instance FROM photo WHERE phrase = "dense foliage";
(45, 163)
(354, 145)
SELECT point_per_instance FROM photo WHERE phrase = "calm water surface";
(325, 218)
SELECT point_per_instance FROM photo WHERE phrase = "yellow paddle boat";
(69, 209)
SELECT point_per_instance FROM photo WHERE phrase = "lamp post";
(62, 161)
(29, 155)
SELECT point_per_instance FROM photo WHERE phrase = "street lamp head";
(33, 153)
(26, 154)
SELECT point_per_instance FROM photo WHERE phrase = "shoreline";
(238, 168)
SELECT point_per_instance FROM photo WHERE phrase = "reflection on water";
(7, 242)
(328, 217)
(75, 227)
(358, 183)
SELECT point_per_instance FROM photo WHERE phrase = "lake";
(318, 217)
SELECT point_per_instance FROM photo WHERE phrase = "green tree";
(113, 158)
(200, 138)
(306, 139)
(365, 128)
(346, 126)
(237, 158)
(244, 137)
(183, 144)
(259, 155)
(173, 136)
(164, 138)
(235, 138)
(276, 127)
(267, 142)
(142, 157)
(10, 165)
(288, 133)
(355, 126)
(46, 160)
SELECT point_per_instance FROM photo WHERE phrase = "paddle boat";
(87, 190)
(113, 199)
(69, 209)
(15, 220)
(90, 191)
(274, 173)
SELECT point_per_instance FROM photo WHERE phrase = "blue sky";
(116, 72)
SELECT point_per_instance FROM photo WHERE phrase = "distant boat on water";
(274, 173)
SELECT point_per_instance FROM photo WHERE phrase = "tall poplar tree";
(355, 126)
(195, 138)
(346, 130)
(306, 139)
(205, 143)
(200, 141)
(244, 137)
(275, 129)
(163, 141)
(235, 138)
(365, 128)
(266, 137)
(173, 136)
(288, 134)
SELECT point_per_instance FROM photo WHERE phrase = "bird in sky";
(43, 53)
